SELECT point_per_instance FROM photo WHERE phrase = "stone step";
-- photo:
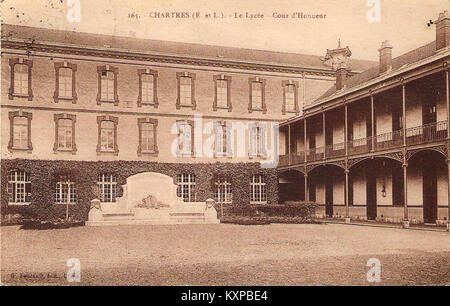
(151, 222)
(118, 216)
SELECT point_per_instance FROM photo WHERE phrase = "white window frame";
(186, 187)
(65, 190)
(257, 140)
(223, 192)
(258, 191)
(18, 183)
(107, 187)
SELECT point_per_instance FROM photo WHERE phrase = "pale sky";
(403, 22)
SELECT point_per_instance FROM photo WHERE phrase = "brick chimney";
(442, 30)
(385, 56)
(341, 76)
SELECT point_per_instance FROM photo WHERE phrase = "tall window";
(21, 79)
(19, 187)
(289, 96)
(65, 83)
(147, 88)
(185, 91)
(20, 128)
(223, 192)
(221, 139)
(20, 131)
(107, 84)
(65, 134)
(107, 187)
(107, 130)
(222, 93)
(107, 80)
(65, 189)
(258, 189)
(256, 95)
(185, 138)
(107, 134)
(257, 140)
(186, 187)
(147, 137)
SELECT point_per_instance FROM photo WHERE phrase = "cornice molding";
(116, 54)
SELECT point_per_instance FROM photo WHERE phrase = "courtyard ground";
(225, 254)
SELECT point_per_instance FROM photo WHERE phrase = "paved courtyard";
(224, 254)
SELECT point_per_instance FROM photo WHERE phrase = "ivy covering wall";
(85, 173)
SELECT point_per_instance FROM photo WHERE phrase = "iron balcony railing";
(426, 133)
(389, 140)
(358, 146)
(314, 154)
(335, 150)
(416, 135)
(298, 158)
(283, 160)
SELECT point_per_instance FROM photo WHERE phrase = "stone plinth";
(151, 198)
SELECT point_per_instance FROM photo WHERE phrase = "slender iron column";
(372, 114)
(306, 187)
(447, 90)
(405, 192)
(347, 210)
(304, 138)
(324, 138)
(346, 129)
(289, 144)
(404, 114)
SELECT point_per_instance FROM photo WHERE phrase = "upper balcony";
(424, 134)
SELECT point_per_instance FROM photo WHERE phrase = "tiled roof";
(372, 73)
(172, 48)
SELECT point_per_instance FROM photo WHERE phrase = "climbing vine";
(85, 173)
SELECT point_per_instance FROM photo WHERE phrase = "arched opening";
(326, 186)
(427, 185)
(377, 183)
(291, 186)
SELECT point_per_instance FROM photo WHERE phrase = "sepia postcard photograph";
(223, 150)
